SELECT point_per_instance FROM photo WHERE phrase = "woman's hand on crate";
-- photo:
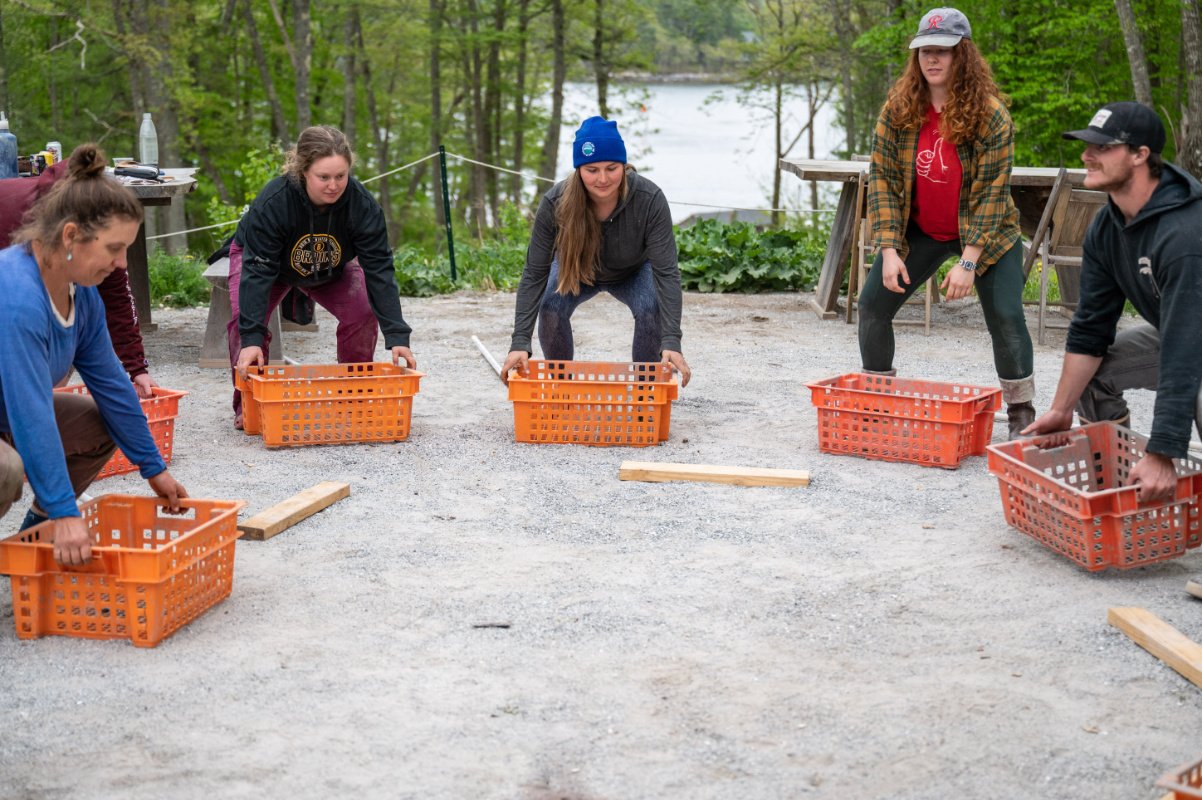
(169, 489)
(249, 357)
(399, 353)
(1154, 477)
(517, 359)
(144, 385)
(72, 542)
(677, 360)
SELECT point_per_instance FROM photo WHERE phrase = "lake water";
(701, 145)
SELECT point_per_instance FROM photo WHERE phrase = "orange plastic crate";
(1076, 499)
(291, 406)
(898, 419)
(1184, 782)
(160, 410)
(593, 402)
(151, 572)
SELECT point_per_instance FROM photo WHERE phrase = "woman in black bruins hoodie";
(317, 229)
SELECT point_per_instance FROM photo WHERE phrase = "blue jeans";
(636, 292)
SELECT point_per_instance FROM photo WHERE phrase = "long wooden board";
(741, 476)
(284, 515)
(1161, 640)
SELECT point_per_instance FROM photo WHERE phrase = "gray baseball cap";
(941, 27)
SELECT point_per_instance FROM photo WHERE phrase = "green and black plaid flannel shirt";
(988, 216)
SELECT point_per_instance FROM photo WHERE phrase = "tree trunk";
(473, 70)
(7, 109)
(172, 217)
(1135, 52)
(812, 102)
(435, 25)
(350, 69)
(1189, 149)
(492, 105)
(778, 141)
(299, 47)
(600, 68)
(379, 137)
(519, 102)
(550, 160)
(302, 36)
(279, 123)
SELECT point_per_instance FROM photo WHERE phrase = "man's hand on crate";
(399, 353)
(1154, 477)
(1051, 421)
(169, 489)
(72, 542)
(677, 360)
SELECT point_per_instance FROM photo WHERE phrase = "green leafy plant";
(735, 257)
(177, 281)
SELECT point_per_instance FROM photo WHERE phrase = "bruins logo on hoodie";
(314, 253)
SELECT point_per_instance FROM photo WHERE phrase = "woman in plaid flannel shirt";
(939, 186)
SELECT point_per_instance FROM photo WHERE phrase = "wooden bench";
(215, 351)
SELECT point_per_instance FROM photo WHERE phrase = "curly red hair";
(969, 91)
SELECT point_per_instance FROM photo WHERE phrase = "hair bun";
(86, 161)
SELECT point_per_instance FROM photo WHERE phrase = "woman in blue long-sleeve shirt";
(52, 318)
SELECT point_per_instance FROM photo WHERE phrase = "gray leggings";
(1132, 362)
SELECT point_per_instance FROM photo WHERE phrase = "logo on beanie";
(588, 148)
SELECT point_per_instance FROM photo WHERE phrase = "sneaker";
(238, 422)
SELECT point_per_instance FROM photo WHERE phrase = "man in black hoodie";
(1146, 247)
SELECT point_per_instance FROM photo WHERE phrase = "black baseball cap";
(1127, 123)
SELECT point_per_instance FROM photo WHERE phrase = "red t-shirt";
(937, 174)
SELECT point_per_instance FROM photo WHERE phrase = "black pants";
(1000, 290)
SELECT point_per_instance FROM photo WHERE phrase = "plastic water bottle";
(8, 150)
(148, 142)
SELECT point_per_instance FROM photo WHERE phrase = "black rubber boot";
(1019, 415)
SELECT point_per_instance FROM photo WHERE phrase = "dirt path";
(879, 634)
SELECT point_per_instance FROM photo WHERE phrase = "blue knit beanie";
(598, 139)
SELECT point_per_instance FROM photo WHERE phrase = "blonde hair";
(578, 233)
(970, 88)
(86, 196)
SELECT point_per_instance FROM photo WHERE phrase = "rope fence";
(528, 176)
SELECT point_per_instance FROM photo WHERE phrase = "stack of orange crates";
(291, 406)
(887, 418)
(151, 572)
(160, 410)
(593, 402)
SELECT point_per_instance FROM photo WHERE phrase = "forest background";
(231, 82)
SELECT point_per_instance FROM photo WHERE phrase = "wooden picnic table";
(1030, 187)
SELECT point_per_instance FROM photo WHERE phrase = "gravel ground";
(880, 634)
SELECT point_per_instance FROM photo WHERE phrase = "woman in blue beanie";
(603, 228)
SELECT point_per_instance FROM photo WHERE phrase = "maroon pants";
(346, 298)
(86, 443)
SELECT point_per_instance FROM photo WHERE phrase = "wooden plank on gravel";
(1161, 640)
(741, 476)
(284, 515)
